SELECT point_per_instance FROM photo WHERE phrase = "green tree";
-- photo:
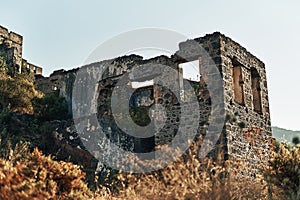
(50, 107)
(296, 141)
(17, 92)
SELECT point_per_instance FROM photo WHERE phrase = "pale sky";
(61, 34)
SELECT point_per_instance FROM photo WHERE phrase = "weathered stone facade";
(249, 136)
(11, 46)
(243, 111)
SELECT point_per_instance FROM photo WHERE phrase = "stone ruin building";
(11, 46)
(246, 129)
(243, 111)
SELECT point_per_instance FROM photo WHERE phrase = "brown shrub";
(39, 177)
(284, 170)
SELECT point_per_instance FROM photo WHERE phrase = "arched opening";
(238, 82)
(256, 91)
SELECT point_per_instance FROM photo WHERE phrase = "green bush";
(50, 107)
(296, 141)
(17, 92)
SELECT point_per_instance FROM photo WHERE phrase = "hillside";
(284, 135)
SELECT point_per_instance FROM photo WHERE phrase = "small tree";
(50, 107)
(296, 140)
(17, 92)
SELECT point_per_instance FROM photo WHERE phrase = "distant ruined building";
(11, 46)
(243, 111)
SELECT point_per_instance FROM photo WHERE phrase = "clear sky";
(61, 34)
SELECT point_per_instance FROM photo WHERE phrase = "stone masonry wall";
(248, 130)
(242, 97)
(15, 41)
(11, 47)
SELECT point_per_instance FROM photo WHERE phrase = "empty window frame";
(238, 82)
(188, 71)
(256, 91)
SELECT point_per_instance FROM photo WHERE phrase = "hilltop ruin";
(244, 111)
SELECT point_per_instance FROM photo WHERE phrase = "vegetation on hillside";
(285, 135)
(17, 93)
(284, 170)
(26, 175)
(50, 107)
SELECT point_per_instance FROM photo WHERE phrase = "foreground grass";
(25, 175)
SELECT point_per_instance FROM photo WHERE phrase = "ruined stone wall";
(49, 84)
(7, 56)
(247, 129)
(243, 97)
(11, 47)
(246, 134)
(64, 80)
(14, 41)
(31, 68)
(249, 125)
(211, 73)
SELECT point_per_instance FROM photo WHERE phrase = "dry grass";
(25, 175)
(284, 170)
(189, 178)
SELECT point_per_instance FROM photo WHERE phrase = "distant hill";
(284, 134)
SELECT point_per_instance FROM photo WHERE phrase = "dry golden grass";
(189, 178)
(25, 175)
